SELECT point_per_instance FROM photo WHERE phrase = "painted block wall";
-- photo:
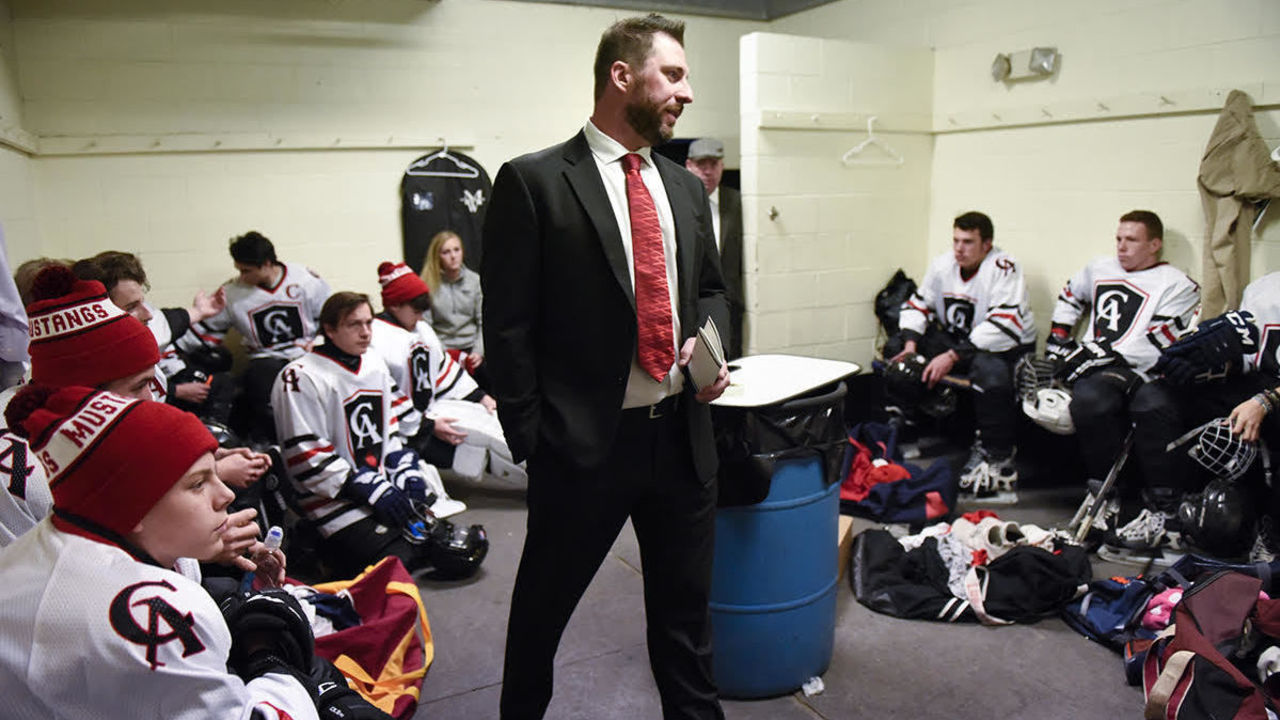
(840, 231)
(384, 78)
(1055, 190)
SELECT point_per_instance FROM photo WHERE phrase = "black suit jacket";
(559, 309)
(731, 263)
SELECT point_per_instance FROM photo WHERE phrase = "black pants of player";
(574, 517)
(1100, 411)
(1162, 413)
(217, 406)
(255, 398)
(349, 551)
(995, 409)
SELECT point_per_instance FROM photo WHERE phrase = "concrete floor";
(882, 667)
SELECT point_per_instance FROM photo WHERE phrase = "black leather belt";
(665, 407)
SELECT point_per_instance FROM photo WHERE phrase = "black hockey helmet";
(1218, 520)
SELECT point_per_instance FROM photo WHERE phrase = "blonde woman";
(455, 303)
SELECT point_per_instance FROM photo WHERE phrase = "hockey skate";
(1102, 521)
(1266, 544)
(1151, 537)
(988, 479)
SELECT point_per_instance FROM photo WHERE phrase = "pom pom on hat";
(80, 337)
(399, 284)
(109, 458)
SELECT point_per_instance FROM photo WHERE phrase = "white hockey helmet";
(1044, 399)
(1050, 409)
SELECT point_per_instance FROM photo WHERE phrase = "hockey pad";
(1087, 357)
(269, 633)
(1213, 351)
(335, 700)
(389, 503)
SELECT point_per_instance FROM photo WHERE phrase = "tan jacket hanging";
(1235, 172)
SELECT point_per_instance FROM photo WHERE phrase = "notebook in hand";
(708, 356)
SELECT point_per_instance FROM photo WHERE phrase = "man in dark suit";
(706, 160)
(589, 318)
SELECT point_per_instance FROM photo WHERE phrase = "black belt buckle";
(664, 407)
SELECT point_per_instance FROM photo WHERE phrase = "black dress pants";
(574, 517)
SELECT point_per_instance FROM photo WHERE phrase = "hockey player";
(459, 429)
(79, 337)
(971, 315)
(342, 423)
(1227, 368)
(126, 282)
(101, 615)
(1137, 305)
(275, 306)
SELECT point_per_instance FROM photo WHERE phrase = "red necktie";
(653, 302)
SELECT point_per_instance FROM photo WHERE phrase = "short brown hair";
(25, 275)
(1155, 228)
(109, 267)
(631, 40)
(339, 306)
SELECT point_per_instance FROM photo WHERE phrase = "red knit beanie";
(80, 337)
(109, 458)
(399, 284)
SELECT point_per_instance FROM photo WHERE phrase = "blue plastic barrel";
(773, 587)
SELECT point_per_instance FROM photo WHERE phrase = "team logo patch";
(277, 324)
(364, 427)
(958, 312)
(420, 376)
(473, 200)
(423, 201)
(14, 452)
(1115, 308)
(152, 622)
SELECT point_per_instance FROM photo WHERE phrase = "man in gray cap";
(706, 160)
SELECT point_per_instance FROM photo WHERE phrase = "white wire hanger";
(886, 156)
(464, 168)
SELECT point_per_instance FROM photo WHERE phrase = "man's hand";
(269, 565)
(489, 403)
(472, 361)
(908, 349)
(192, 392)
(240, 467)
(238, 537)
(445, 431)
(1246, 419)
(205, 306)
(714, 390)
(939, 367)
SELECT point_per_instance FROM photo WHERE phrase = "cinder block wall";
(1053, 161)
(814, 266)
(199, 93)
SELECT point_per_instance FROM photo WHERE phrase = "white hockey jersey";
(278, 322)
(331, 421)
(25, 498)
(419, 364)
(1137, 313)
(90, 632)
(1262, 298)
(991, 308)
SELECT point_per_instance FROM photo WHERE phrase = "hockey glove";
(1087, 357)
(405, 469)
(1214, 350)
(1058, 349)
(335, 700)
(269, 633)
(390, 505)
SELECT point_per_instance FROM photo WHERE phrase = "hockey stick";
(1100, 500)
(879, 365)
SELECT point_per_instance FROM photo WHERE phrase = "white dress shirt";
(641, 388)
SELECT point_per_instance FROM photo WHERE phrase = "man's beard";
(646, 119)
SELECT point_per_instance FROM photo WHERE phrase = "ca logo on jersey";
(277, 324)
(420, 376)
(1115, 308)
(161, 624)
(958, 313)
(364, 428)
